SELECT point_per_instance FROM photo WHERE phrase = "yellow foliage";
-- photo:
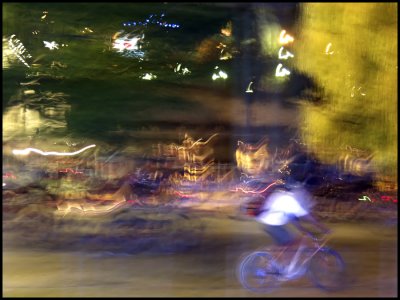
(350, 51)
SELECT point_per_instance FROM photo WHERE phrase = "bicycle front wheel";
(327, 270)
(258, 272)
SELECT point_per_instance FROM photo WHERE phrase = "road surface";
(206, 270)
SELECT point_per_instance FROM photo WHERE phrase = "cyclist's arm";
(311, 219)
(296, 222)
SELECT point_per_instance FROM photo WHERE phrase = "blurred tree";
(350, 50)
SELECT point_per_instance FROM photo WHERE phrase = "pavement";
(206, 270)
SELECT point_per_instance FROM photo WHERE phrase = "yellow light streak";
(328, 47)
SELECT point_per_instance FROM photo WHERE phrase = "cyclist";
(285, 207)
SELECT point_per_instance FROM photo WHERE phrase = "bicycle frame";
(268, 276)
(290, 271)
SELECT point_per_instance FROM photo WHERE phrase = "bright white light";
(18, 49)
(51, 45)
(28, 150)
(183, 71)
(149, 76)
(4, 184)
(285, 38)
(125, 43)
(286, 56)
(280, 72)
(177, 68)
(249, 90)
(221, 74)
(328, 47)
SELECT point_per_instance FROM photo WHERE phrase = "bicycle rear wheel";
(327, 270)
(258, 272)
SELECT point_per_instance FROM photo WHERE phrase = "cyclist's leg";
(286, 240)
(281, 235)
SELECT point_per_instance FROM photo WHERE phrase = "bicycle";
(261, 270)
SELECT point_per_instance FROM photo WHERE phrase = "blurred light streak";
(252, 159)
(148, 76)
(237, 189)
(281, 72)
(328, 47)
(183, 71)
(28, 150)
(383, 198)
(198, 170)
(87, 30)
(126, 43)
(90, 209)
(70, 170)
(286, 56)
(177, 68)
(227, 31)
(359, 90)
(29, 92)
(51, 45)
(33, 82)
(9, 175)
(198, 142)
(221, 74)
(18, 50)
(365, 198)
(151, 20)
(249, 90)
(184, 195)
(285, 38)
